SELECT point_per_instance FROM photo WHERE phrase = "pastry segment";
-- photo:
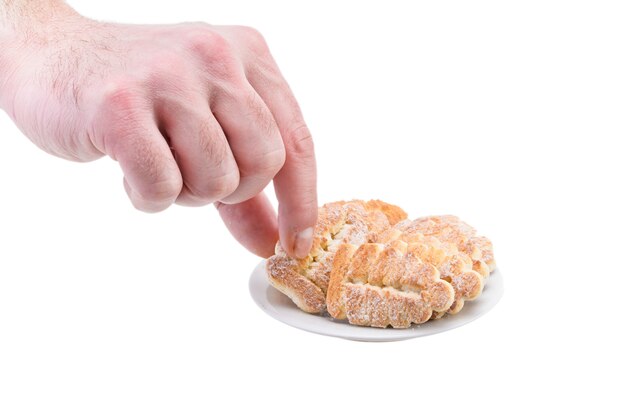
(305, 280)
(463, 259)
(380, 285)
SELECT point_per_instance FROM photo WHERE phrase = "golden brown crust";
(303, 292)
(337, 279)
(393, 213)
(356, 222)
(486, 249)
(368, 305)
(386, 286)
(463, 259)
(370, 265)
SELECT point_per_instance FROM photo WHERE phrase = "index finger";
(296, 190)
(296, 182)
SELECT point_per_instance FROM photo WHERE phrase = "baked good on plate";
(370, 265)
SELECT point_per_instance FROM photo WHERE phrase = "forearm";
(24, 15)
(26, 25)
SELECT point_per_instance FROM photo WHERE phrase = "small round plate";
(279, 306)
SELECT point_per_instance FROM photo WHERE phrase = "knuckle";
(253, 39)
(300, 142)
(223, 186)
(207, 43)
(268, 165)
(215, 189)
(117, 107)
(112, 136)
(215, 52)
(275, 161)
(119, 95)
(147, 206)
(165, 190)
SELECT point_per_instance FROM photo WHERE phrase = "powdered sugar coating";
(372, 266)
(355, 222)
(463, 259)
(381, 286)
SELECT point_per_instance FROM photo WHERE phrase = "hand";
(194, 114)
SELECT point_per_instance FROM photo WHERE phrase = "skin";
(194, 113)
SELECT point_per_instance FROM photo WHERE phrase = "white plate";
(279, 306)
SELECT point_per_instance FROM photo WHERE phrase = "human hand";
(194, 114)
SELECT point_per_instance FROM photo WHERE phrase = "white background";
(510, 116)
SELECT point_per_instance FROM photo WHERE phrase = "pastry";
(305, 280)
(370, 265)
(451, 245)
(379, 285)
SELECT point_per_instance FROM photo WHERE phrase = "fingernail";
(304, 241)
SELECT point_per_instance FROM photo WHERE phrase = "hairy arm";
(29, 17)
(193, 113)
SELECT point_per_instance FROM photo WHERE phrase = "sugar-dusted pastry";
(450, 229)
(371, 266)
(380, 285)
(356, 222)
(462, 258)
